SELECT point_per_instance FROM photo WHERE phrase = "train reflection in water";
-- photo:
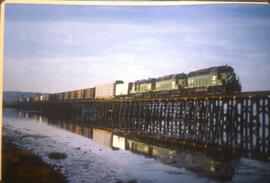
(215, 167)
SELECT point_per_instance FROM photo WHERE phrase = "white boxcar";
(106, 90)
(121, 89)
(41, 98)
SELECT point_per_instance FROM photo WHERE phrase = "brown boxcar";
(78, 94)
(89, 93)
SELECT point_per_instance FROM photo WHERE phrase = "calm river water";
(96, 155)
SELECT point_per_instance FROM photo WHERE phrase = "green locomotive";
(213, 80)
(217, 79)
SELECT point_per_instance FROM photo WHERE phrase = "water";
(98, 155)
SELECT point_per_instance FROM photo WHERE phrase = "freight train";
(219, 79)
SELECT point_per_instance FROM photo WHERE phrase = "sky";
(54, 48)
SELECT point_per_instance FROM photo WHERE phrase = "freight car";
(106, 90)
(122, 89)
(89, 93)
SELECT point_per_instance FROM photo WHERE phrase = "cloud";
(33, 38)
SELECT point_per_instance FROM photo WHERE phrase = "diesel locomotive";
(219, 79)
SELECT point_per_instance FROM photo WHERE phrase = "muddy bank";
(25, 167)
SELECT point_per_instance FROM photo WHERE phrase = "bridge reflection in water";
(215, 166)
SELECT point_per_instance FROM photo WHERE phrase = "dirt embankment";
(24, 167)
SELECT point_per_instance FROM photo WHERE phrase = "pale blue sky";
(52, 48)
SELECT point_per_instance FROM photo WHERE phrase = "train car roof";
(111, 82)
(172, 76)
(210, 70)
(145, 80)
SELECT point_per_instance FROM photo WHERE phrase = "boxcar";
(122, 89)
(78, 94)
(72, 95)
(36, 98)
(61, 96)
(53, 97)
(106, 90)
(41, 98)
(89, 93)
(66, 95)
(46, 97)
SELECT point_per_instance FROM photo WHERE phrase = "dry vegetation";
(23, 167)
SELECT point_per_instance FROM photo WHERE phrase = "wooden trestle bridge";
(239, 121)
